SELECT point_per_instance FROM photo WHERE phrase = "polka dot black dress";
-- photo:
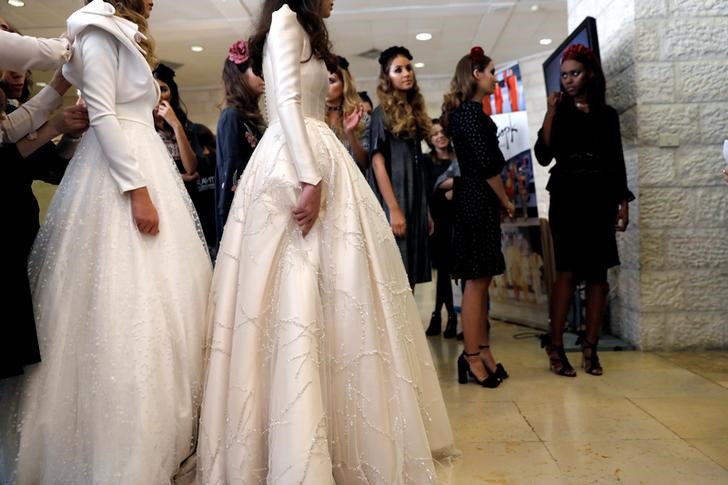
(477, 239)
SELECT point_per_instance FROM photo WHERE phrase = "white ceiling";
(507, 29)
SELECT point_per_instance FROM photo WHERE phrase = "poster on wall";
(519, 295)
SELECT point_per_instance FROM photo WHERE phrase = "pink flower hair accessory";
(239, 52)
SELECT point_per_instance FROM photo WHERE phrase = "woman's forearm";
(384, 183)
(548, 123)
(496, 183)
(186, 153)
(361, 156)
(45, 134)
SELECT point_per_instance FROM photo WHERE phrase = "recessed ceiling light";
(423, 36)
(419, 64)
(545, 41)
(197, 48)
(16, 3)
(535, 7)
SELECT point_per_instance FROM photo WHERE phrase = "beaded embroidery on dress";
(120, 315)
(319, 371)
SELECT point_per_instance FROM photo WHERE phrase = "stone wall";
(666, 64)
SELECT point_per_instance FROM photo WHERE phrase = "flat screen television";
(586, 34)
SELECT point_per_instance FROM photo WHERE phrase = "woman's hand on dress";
(352, 120)
(307, 210)
(189, 177)
(165, 111)
(59, 83)
(510, 208)
(398, 222)
(143, 210)
(623, 216)
(71, 120)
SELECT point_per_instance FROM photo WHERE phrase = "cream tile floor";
(653, 418)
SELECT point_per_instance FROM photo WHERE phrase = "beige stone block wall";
(671, 88)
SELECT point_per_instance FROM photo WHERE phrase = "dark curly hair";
(308, 15)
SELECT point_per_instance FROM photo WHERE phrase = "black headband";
(391, 53)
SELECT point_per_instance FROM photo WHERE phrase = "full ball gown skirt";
(120, 319)
(319, 369)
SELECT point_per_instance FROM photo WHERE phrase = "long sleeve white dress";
(319, 371)
(120, 315)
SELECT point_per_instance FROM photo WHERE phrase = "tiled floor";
(653, 418)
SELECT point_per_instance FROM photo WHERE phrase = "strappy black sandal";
(558, 362)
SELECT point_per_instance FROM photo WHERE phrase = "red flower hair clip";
(477, 55)
(239, 52)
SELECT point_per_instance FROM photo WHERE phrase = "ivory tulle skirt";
(121, 325)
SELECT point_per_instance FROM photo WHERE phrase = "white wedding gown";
(120, 315)
(319, 370)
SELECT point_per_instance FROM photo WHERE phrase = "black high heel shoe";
(435, 326)
(451, 329)
(589, 360)
(558, 363)
(500, 371)
(464, 371)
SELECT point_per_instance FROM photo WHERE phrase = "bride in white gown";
(319, 371)
(120, 308)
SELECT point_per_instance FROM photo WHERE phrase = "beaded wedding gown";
(120, 315)
(319, 370)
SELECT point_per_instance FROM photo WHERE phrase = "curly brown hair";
(405, 114)
(309, 16)
(135, 11)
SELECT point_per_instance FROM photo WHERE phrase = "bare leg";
(484, 345)
(596, 302)
(561, 294)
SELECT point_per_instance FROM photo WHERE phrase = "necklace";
(332, 109)
(581, 105)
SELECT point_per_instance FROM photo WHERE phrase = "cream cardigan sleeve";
(20, 52)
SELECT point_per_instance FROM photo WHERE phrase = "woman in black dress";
(443, 168)
(589, 199)
(183, 140)
(26, 161)
(398, 174)
(239, 128)
(478, 197)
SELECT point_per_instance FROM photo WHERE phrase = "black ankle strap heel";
(558, 362)
(589, 357)
(500, 371)
(464, 371)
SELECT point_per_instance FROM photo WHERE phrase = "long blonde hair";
(134, 10)
(349, 103)
(405, 116)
